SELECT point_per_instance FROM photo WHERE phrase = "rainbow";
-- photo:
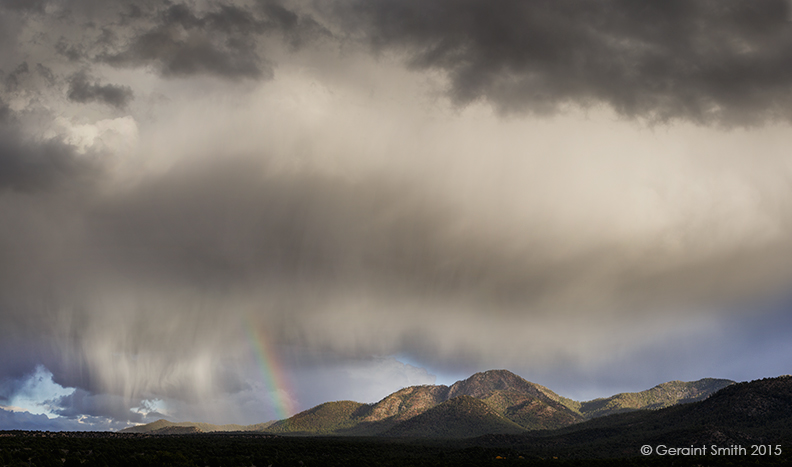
(271, 371)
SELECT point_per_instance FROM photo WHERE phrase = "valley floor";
(19, 448)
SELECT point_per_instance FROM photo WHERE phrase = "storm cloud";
(591, 194)
(34, 5)
(30, 164)
(82, 90)
(223, 42)
(704, 61)
(354, 269)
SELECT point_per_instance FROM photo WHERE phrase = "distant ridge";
(177, 430)
(661, 396)
(163, 426)
(490, 402)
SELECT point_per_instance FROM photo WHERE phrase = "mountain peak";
(487, 382)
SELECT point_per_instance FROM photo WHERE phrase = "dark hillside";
(460, 417)
(324, 418)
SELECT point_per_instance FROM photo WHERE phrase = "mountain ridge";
(746, 414)
(493, 401)
(660, 396)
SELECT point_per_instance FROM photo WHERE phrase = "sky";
(231, 211)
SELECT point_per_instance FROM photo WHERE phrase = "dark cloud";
(223, 42)
(297, 30)
(82, 90)
(27, 81)
(701, 60)
(21, 357)
(46, 73)
(29, 165)
(10, 420)
(183, 44)
(24, 5)
(229, 225)
(81, 403)
(16, 77)
(225, 225)
(9, 386)
(70, 51)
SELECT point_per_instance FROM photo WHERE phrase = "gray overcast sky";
(230, 211)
